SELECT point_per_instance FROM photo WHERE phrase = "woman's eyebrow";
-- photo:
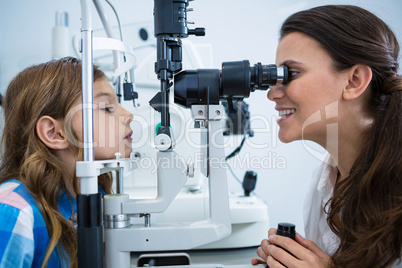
(291, 62)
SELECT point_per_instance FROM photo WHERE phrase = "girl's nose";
(128, 117)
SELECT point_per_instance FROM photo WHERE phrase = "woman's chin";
(285, 138)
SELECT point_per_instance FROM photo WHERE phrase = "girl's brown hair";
(367, 205)
(50, 89)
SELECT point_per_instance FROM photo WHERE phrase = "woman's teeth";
(283, 113)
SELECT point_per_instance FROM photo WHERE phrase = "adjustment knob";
(197, 31)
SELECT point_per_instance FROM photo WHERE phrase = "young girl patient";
(41, 143)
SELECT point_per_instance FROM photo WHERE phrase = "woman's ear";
(51, 133)
(358, 80)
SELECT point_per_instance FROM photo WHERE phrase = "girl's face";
(112, 132)
(308, 103)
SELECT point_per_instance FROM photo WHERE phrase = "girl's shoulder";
(23, 232)
(15, 194)
(18, 205)
(16, 224)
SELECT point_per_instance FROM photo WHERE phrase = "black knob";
(287, 229)
(197, 31)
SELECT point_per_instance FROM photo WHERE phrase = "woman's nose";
(276, 93)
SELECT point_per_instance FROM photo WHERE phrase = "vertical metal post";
(89, 212)
(87, 95)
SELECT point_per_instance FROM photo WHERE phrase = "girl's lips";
(128, 136)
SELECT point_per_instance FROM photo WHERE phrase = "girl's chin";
(112, 155)
(127, 154)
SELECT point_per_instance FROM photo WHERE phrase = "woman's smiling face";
(311, 97)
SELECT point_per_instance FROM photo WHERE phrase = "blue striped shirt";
(24, 237)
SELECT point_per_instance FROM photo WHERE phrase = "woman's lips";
(285, 113)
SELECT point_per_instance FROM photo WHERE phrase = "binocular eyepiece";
(235, 81)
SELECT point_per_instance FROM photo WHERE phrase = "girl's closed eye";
(108, 108)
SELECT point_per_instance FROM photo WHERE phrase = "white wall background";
(236, 30)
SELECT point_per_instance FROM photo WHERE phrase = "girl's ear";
(359, 79)
(51, 133)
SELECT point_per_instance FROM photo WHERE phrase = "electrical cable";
(234, 153)
(232, 172)
(238, 180)
(120, 32)
(118, 19)
(237, 150)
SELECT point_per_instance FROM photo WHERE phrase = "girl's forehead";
(103, 88)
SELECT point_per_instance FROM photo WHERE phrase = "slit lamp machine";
(108, 221)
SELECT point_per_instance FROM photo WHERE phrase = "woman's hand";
(262, 251)
(305, 252)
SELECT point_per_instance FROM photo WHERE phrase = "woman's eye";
(293, 75)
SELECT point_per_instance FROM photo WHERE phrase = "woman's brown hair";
(51, 89)
(368, 203)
